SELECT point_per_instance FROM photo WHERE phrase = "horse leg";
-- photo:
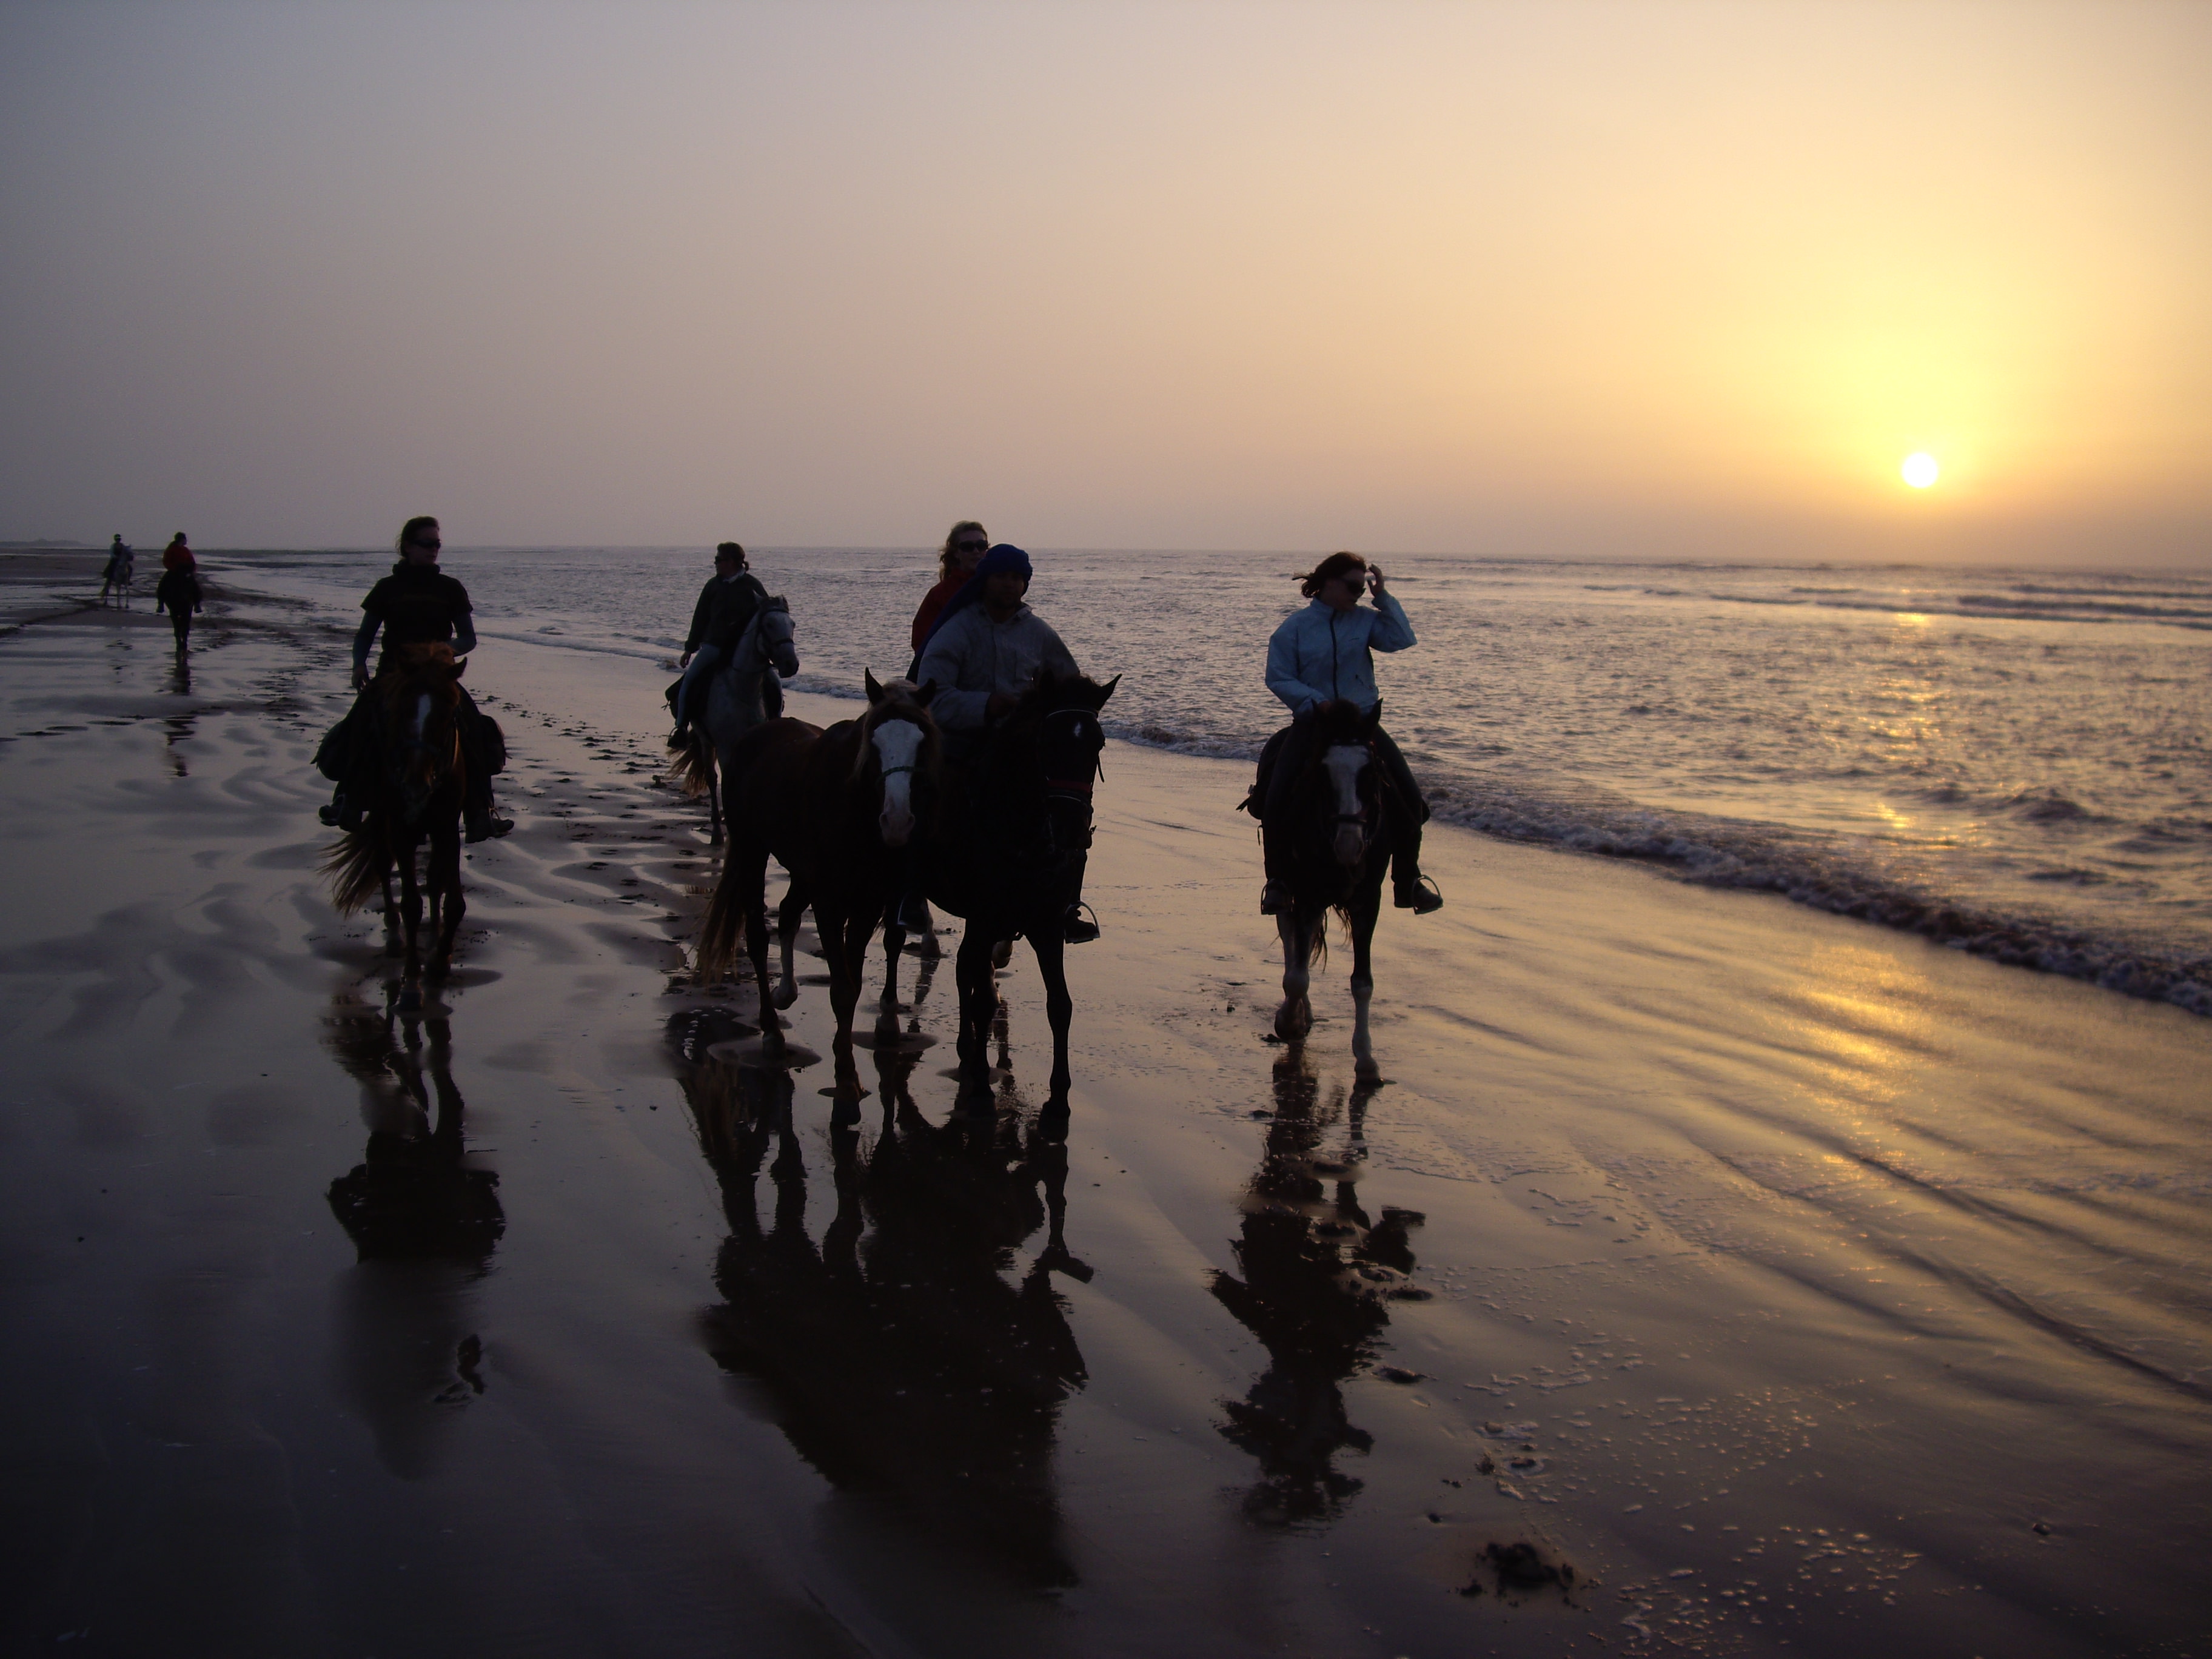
(979, 998)
(446, 893)
(845, 943)
(894, 943)
(1295, 1017)
(1366, 905)
(1059, 1007)
(411, 914)
(787, 918)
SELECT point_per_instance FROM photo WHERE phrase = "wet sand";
(1801, 1286)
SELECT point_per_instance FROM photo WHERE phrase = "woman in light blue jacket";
(1323, 654)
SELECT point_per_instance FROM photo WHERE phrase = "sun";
(1920, 469)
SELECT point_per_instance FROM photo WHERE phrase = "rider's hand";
(1001, 703)
(361, 677)
(1375, 580)
(683, 661)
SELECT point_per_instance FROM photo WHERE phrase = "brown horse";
(414, 708)
(836, 809)
(1337, 815)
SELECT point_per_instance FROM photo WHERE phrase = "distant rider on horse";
(1322, 655)
(727, 607)
(416, 604)
(985, 648)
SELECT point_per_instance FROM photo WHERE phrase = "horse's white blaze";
(1345, 762)
(422, 713)
(898, 743)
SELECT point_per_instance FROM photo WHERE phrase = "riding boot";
(476, 811)
(1275, 898)
(1411, 890)
(1075, 927)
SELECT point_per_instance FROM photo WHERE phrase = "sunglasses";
(972, 547)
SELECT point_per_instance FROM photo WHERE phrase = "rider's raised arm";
(1283, 669)
(1390, 631)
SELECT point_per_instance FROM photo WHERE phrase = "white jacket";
(1321, 655)
(973, 657)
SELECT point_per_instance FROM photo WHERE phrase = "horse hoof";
(785, 997)
(1293, 1022)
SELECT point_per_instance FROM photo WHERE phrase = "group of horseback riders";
(974, 639)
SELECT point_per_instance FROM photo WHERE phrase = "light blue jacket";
(1320, 655)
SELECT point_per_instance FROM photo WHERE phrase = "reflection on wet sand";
(178, 727)
(897, 1358)
(424, 1219)
(1317, 1275)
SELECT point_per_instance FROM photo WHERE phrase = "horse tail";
(357, 864)
(722, 934)
(691, 763)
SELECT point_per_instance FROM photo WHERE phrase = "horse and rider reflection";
(424, 1217)
(1318, 1274)
(901, 1361)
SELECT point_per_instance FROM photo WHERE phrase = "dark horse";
(835, 808)
(414, 724)
(1011, 860)
(1337, 815)
(736, 698)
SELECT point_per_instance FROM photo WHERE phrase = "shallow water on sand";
(1803, 1288)
(2012, 762)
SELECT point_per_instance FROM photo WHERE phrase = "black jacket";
(724, 612)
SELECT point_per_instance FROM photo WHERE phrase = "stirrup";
(1420, 895)
(486, 826)
(1076, 928)
(1276, 898)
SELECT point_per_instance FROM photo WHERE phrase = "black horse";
(1339, 819)
(1008, 856)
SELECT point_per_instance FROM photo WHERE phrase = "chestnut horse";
(837, 809)
(414, 708)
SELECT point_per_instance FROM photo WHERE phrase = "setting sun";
(1920, 469)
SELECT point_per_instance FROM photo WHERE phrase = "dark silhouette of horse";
(414, 727)
(737, 698)
(835, 808)
(1009, 855)
(1317, 1275)
(1336, 814)
(424, 1217)
(895, 1353)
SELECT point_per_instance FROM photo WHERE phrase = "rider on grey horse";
(727, 604)
(1321, 655)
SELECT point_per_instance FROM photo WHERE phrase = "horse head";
(420, 692)
(772, 636)
(899, 739)
(1345, 757)
(1056, 725)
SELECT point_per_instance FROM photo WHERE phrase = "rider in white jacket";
(1321, 655)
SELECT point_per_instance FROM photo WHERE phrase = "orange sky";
(1559, 278)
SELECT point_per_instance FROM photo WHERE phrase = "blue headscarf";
(1004, 557)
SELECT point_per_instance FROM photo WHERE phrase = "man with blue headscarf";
(986, 648)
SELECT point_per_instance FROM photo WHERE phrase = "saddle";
(771, 693)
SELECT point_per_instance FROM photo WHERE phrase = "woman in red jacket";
(965, 544)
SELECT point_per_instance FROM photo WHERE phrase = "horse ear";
(875, 691)
(1104, 692)
(923, 697)
(460, 666)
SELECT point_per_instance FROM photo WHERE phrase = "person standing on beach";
(965, 544)
(176, 553)
(116, 577)
(985, 648)
(727, 604)
(178, 594)
(1323, 655)
(416, 604)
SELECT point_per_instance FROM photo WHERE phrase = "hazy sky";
(1544, 277)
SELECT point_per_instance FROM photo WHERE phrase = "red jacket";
(934, 602)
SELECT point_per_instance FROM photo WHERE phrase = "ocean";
(2013, 763)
